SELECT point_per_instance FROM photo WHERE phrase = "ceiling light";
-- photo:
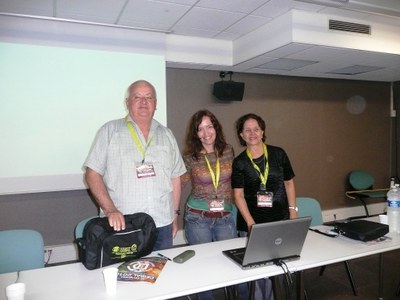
(354, 70)
(287, 64)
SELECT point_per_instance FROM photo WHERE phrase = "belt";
(209, 214)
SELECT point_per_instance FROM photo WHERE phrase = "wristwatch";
(294, 208)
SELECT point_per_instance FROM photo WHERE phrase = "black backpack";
(101, 245)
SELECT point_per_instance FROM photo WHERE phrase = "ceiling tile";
(160, 15)
(209, 19)
(354, 70)
(106, 11)
(246, 25)
(289, 49)
(321, 53)
(358, 57)
(274, 8)
(183, 2)
(38, 7)
(287, 64)
(232, 5)
(386, 60)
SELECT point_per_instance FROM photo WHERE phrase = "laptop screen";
(271, 241)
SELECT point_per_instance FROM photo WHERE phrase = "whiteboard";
(52, 102)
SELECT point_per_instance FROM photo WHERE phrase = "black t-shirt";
(245, 176)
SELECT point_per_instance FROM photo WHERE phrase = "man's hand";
(116, 220)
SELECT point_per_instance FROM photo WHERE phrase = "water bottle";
(393, 208)
(392, 182)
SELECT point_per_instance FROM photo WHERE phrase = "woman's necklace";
(260, 162)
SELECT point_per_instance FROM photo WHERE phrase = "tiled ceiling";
(236, 20)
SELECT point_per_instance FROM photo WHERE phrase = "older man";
(134, 165)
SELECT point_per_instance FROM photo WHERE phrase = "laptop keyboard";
(239, 253)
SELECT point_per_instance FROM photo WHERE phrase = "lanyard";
(264, 176)
(214, 177)
(137, 141)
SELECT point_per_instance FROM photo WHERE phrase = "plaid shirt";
(115, 156)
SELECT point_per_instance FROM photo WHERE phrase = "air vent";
(350, 27)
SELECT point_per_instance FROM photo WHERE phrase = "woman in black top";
(262, 177)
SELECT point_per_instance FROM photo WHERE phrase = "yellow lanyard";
(137, 141)
(264, 176)
(214, 177)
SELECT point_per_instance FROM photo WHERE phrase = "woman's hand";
(292, 214)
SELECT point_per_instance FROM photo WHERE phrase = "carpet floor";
(335, 284)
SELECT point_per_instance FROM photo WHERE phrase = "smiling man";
(135, 165)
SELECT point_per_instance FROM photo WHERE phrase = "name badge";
(216, 204)
(264, 199)
(145, 170)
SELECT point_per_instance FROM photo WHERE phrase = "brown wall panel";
(328, 127)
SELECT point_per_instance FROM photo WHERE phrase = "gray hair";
(140, 82)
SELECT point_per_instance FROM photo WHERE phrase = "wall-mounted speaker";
(229, 90)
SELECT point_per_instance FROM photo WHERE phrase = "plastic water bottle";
(392, 182)
(393, 208)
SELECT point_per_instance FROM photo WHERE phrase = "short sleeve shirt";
(115, 155)
(245, 176)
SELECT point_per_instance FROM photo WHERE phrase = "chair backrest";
(80, 226)
(309, 207)
(234, 213)
(21, 249)
(361, 180)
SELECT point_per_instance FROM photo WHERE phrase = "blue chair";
(21, 249)
(78, 233)
(310, 207)
(361, 187)
(80, 226)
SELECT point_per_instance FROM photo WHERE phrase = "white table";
(208, 269)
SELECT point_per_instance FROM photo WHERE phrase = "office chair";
(21, 249)
(80, 226)
(78, 233)
(360, 185)
(311, 207)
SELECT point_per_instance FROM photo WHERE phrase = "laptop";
(271, 241)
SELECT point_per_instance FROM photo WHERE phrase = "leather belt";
(209, 214)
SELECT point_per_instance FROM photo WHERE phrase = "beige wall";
(308, 117)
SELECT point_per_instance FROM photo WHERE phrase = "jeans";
(164, 238)
(199, 230)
